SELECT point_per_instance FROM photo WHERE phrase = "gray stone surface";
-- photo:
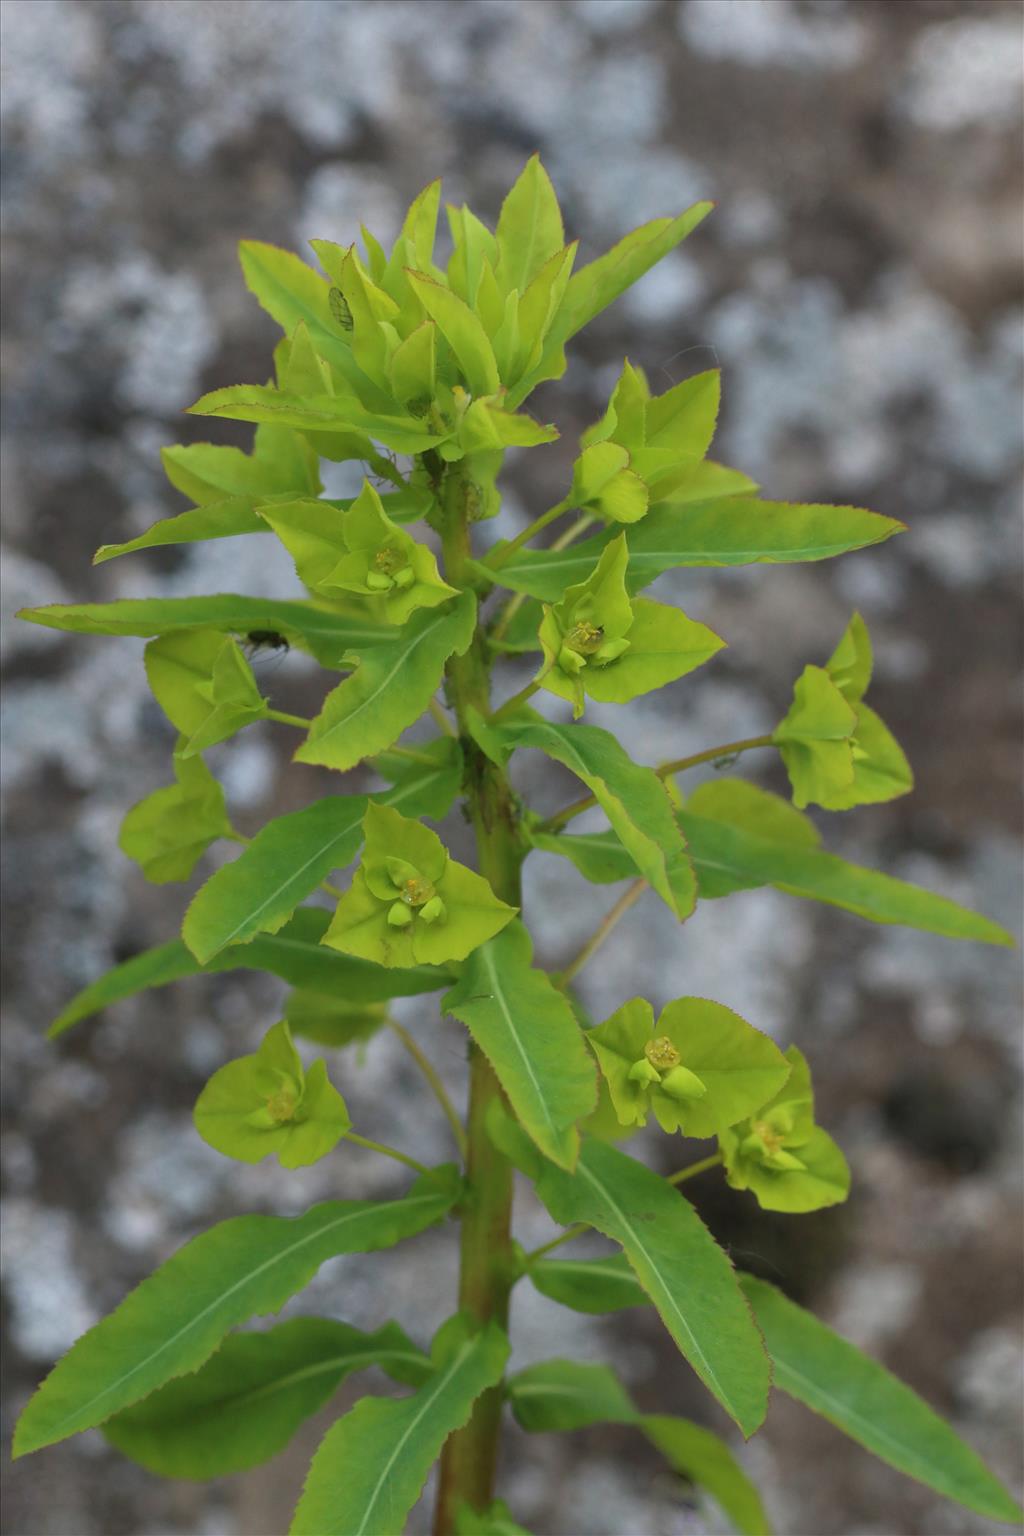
(859, 284)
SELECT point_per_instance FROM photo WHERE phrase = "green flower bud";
(642, 1072)
(433, 910)
(378, 582)
(399, 915)
(405, 577)
(681, 1083)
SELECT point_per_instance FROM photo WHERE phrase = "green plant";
(419, 372)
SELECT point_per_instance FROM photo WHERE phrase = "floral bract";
(838, 752)
(267, 1103)
(779, 1154)
(409, 902)
(601, 642)
(700, 1068)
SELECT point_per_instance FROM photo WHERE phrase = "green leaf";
(331, 1020)
(281, 463)
(267, 1102)
(730, 530)
(705, 1459)
(411, 903)
(737, 1069)
(596, 286)
(740, 856)
(425, 779)
(391, 688)
(217, 520)
(528, 1032)
(327, 632)
(589, 1285)
(561, 1395)
(169, 831)
(292, 292)
(174, 1320)
(295, 954)
(633, 798)
(495, 1521)
(529, 228)
(316, 413)
(285, 861)
(372, 1464)
(680, 425)
(463, 332)
(677, 1261)
(244, 1405)
(860, 1397)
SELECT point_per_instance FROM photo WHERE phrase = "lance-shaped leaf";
(463, 332)
(226, 519)
(244, 1405)
(730, 530)
(589, 1285)
(633, 798)
(372, 1464)
(677, 1261)
(317, 414)
(295, 954)
(267, 1102)
(700, 1068)
(565, 1395)
(726, 851)
(174, 1320)
(600, 283)
(169, 831)
(328, 633)
(529, 1034)
(864, 1400)
(409, 902)
(529, 227)
(390, 689)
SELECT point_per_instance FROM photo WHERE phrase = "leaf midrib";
(674, 1305)
(431, 1395)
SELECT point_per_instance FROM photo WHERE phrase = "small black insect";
(266, 640)
(266, 648)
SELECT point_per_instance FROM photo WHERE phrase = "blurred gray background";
(859, 284)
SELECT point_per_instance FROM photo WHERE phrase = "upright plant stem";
(486, 1264)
